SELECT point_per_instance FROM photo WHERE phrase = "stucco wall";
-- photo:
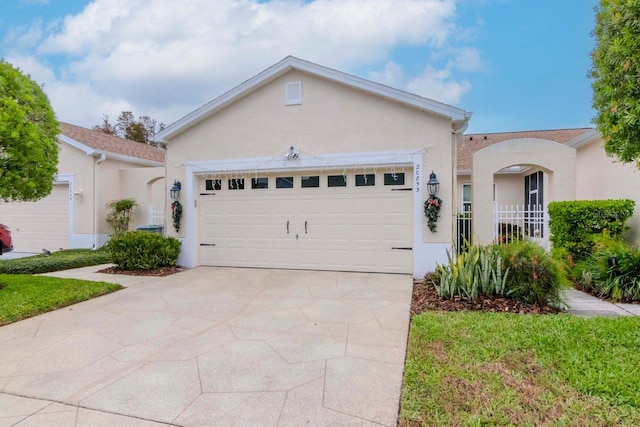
(600, 177)
(76, 162)
(147, 186)
(332, 119)
(557, 161)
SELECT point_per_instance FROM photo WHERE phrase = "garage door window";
(257, 183)
(284, 182)
(310, 181)
(365, 180)
(213, 184)
(236, 184)
(337, 181)
(394, 179)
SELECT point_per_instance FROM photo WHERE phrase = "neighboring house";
(93, 169)
(512, 177)
(306, 167)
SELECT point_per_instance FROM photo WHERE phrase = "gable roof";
(459, 117)
(475, 142)
(96, 142)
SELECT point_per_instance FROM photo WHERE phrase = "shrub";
(613, 270)
(142, 250)
(534, 276)
(120, 214)
(471, 274)
(61, 260)
(574, 223)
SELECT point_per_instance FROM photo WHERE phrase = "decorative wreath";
(176, 214)
(432, 211)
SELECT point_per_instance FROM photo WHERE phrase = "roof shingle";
(104, 142)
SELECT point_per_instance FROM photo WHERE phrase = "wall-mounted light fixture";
(78, 193)
(292, 153)
(433, 185)
(175, 190)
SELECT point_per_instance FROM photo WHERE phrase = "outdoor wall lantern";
(433, 185)
(175, 190)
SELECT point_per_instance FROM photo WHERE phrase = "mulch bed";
(425, 298)
(158, 272)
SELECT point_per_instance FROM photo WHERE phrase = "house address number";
(417, 178)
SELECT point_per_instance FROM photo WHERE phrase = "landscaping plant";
(534, 276)
(142, 250)
(120, 214)
(478, 271)
(574, 224)
(613, 270)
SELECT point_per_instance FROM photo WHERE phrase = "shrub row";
(520, 270)
(62, 260)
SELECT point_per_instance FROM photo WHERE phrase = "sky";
(516, 64)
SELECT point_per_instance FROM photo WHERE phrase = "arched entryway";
(543, 170)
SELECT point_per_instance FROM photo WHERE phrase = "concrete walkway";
(213, 346)
(585, 305)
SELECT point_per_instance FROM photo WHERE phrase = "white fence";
(515, 222)
(156, 215)
(464, 230)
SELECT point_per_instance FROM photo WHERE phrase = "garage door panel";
(43, 224)
(352, 228)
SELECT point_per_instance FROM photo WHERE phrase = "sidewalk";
(585, 305)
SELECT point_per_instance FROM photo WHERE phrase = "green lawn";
(61, 260)
(506, 369)
(23, 296)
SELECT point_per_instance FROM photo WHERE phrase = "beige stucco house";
(93, 169)
(514, 173)
(306, 167)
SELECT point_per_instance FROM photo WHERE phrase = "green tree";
(142, 130)
(616, 77)
(28, 143)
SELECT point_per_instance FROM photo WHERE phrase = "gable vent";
(293, 93)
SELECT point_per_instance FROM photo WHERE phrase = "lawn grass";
(23, 295)
(61, 260)
(507, 369)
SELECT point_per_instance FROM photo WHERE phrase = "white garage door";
(39, 225)
(311, 221)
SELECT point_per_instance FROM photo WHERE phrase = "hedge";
(61, 260)
(573, 224)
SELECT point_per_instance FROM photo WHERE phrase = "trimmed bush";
(142, 250)
(573, 224)
(61, 260)
(534, 276)
(613, 270)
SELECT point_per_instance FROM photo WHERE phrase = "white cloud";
(438, 85)
(169, 56)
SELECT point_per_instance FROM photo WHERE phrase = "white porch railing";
(515, 222)
(464, 230)
(156, 215)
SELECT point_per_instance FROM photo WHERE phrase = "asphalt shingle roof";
(112, 144)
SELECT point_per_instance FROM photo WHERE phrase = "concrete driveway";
(213, 346)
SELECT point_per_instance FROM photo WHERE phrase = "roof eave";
(584, 139)
(459, 117)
